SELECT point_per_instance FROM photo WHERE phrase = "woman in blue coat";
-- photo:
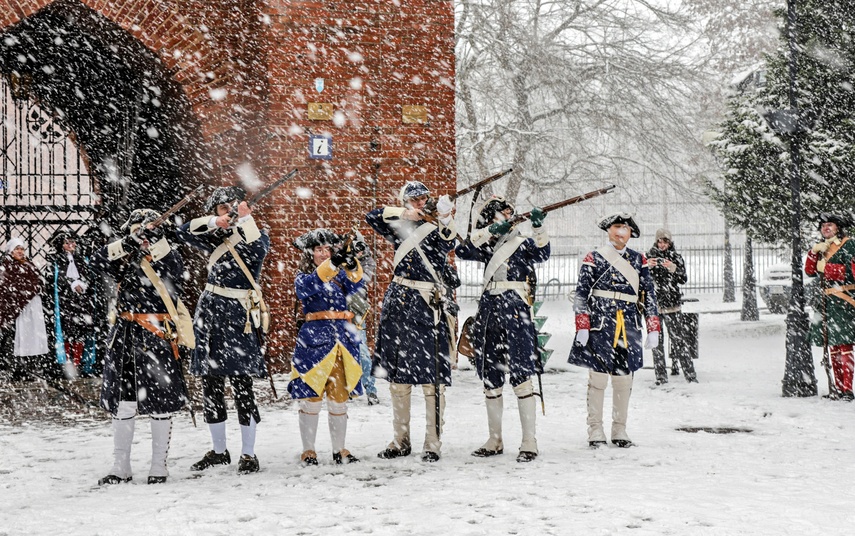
(142, 370)
(413, 344)
(326, 356)
(614, 295)
(229, 321)
(503, 335)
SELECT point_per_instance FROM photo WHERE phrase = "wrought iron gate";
(45, 182)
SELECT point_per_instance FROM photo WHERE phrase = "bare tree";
(577, 92)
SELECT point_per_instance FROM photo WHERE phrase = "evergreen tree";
(755, 193)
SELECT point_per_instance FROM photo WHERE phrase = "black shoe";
(113, 479)
(395, 452)
(526, 456)
(430, 457)
(596, 444)
(156, 479)
(372, 399)
(486, 453)
(310, 457)
(848, 396)
(622, 443)
(211, 459)
(675, 372)
(248, 464)
(692, 380)
(344, 457)
(660, 382)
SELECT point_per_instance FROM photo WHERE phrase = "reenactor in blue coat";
(229, 320)
(503, 335)
(414, 340)
(142, 369)
(326, 356)
(614, 295)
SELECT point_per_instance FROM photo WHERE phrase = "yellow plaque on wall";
(320, 111)
(414, 114)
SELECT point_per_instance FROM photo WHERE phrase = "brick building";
(159, 96)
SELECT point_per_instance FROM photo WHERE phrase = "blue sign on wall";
(320, 147)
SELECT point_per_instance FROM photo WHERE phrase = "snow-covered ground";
(792, 474)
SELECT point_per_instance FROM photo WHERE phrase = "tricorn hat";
(224, 194)
(412, 189)
(140, 216)
(315, 238)
(620, 217)
(487, 214)
(840, 220)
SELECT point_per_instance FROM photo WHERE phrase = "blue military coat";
(409, 341)
(503, 335)
(600, 314)
(319, 342)
(159, 382)
(224, 345)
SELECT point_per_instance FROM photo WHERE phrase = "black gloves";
(344, 259)
(131, 244)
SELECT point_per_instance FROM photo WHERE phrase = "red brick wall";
(374, 55)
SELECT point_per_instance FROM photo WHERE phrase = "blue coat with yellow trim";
(159, 382)
(600, 314)
(319, 342)
(505, 318)
(224, 347)
(405, 350)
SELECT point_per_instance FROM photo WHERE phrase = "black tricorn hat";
(315, 238)
(620, 217)
(487, 214)
(224, 194)
(140, 216)
(841, 221)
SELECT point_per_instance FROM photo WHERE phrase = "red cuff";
(810, 263)
(653, 324)
(835, 272)
(583, 321)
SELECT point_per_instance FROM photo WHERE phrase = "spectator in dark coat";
(669, 272)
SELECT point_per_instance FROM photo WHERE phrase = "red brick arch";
(192, 56)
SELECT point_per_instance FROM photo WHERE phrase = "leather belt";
(329, 315)
(631, 298)
(516, 285)
(411, 283)
(146, 321)
(235, 293)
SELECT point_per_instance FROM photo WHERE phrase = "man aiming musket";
(142, 369)
(503, 335)
(231, 317)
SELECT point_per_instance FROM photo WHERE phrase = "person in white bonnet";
(21, 317)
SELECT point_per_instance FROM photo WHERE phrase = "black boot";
(394, 451)
(372, 399)
(248, 464)
(596, 444)
(211, 459)
(526, 456)
(344, 457)
(430, 457)
(113, 479)
(622, 443)
(156, 479)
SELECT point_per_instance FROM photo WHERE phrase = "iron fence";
(704, 267)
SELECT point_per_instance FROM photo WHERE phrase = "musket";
(175, 208)
(517, 218)
(258, 196)
(480, 184)
(430, 207)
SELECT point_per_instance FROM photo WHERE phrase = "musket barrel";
(482, 183)
(571, 201)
